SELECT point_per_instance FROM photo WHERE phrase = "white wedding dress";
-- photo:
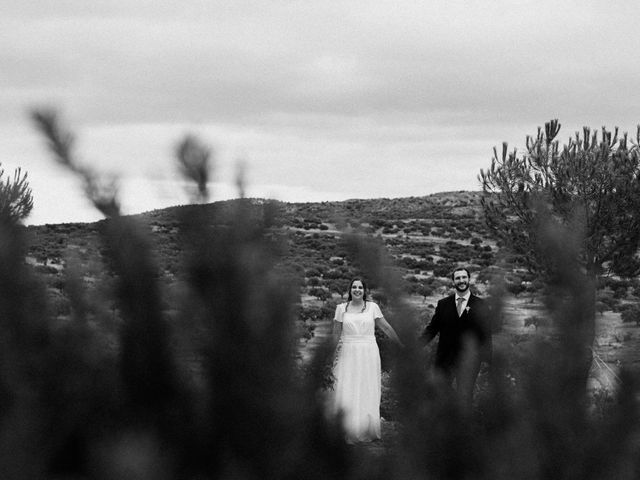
(357, 373)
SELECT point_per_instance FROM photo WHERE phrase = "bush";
(312, 272)
(320, 293)
(425, 291)
(515, 288)
(630, 313)
(606, 297)
(620, 292)
(443, 270)
(536, 321)
(314, 281)
(46, 269)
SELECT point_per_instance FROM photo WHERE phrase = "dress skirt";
(357, 387)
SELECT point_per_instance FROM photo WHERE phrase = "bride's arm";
(337, 330)
(388, 330)
(337, 324)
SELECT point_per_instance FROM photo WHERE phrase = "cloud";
(357, 98)
(239, 62)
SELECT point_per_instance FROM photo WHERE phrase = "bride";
(357, 371)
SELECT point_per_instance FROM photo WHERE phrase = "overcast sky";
(321, 100)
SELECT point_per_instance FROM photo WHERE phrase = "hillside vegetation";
(425, 238)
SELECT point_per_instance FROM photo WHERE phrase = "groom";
(463, 323)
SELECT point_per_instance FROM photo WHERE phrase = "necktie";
(460, 301)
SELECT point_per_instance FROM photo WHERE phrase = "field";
(423, 237)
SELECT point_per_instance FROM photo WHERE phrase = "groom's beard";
(462, 287)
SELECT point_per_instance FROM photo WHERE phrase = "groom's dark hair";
(458, 269)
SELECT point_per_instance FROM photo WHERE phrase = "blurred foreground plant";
(229, 403)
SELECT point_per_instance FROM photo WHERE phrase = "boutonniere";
(467, 309)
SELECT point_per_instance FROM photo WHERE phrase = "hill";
(424, 237)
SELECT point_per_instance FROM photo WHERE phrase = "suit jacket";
(453, 329)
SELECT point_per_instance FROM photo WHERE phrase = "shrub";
(46, 269)
(425, 290)
(606, 297)
(620, 292)
(312, 272)
(515, 288)
(320, 293)
(314, 281)
(536, 321)
(630, 313)
(443, 270)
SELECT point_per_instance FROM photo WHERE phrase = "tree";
(424, 291)
(320, 293)
(569, 210)
(339, 286)
(16, 200)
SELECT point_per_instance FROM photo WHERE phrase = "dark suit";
(465, 340)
